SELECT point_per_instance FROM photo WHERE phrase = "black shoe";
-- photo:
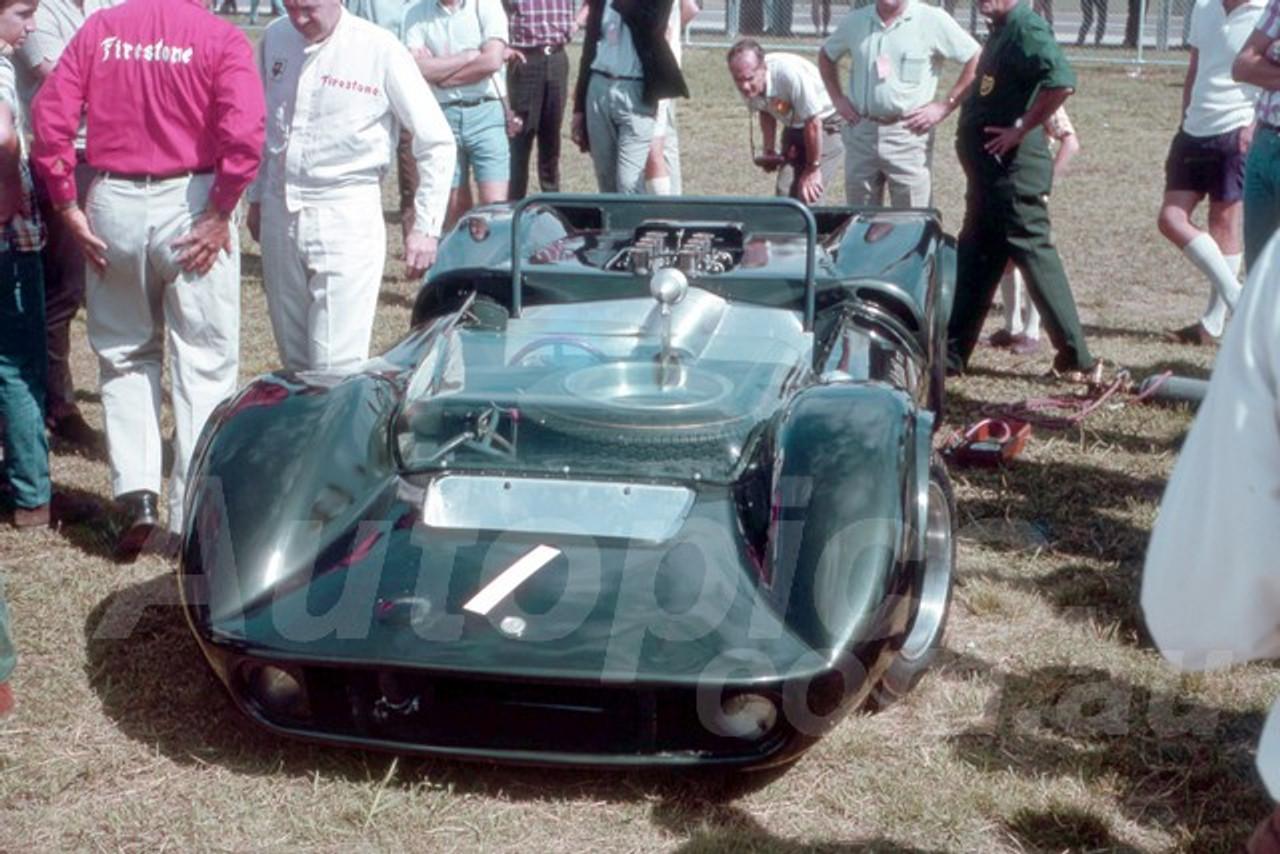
(141, 519)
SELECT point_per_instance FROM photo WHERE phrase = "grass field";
(1050, 726)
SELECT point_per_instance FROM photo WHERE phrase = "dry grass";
(1051, 725)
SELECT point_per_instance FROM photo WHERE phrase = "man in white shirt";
(459, 47)
(896, 49)
(786, 90)
(337, 86)
(1207, 158)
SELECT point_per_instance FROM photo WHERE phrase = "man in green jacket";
(1022, 77)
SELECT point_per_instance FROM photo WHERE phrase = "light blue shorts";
(481, 134)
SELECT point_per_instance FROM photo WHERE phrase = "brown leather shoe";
(32, 517)
(63, 509)
(1091, 377)
(1194, 335)
(1024, 346)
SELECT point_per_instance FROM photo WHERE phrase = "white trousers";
(322, 270)
(141, 299)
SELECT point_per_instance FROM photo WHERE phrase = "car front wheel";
(933, 604)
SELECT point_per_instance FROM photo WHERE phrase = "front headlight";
(277, 691)
(746, 716)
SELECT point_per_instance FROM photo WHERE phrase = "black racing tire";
(924, 636)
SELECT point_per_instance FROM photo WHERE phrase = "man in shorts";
(1207, 158)
(460, 47)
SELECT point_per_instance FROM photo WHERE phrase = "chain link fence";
(1132, 32)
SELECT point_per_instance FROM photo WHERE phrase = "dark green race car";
(649, 482)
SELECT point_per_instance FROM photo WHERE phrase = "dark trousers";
(63, 265)
(1133, 23)
(1001, 224)
(1091, 9)
(537, 90)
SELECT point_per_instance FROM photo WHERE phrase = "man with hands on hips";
(896, 49)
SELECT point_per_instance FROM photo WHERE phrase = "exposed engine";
(696, 249)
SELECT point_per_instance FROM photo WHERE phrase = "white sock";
(1214, 319)
(1208, 258)
(1012, 294)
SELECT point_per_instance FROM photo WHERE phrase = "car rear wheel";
(933, 604)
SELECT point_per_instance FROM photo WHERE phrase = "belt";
(833, 123)
(544, 49)
(469, 102)
(1269, 126)
(614, 77)
(884, 120)
(143, 178)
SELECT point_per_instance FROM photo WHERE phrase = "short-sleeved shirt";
(388, 14)
(20, 234)
(1268, 105)
(794, 92)
(895, 68)
(616, 51)
(1020, 58)
(444, 32)
(1058, 126)
(1219, 104)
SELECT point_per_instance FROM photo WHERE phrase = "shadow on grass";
(251, 264)
(723, 829)
(1175, 764)
(94, 534)
(396, 300)
(1094, 332)
(1068, 502)
(147, 669)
